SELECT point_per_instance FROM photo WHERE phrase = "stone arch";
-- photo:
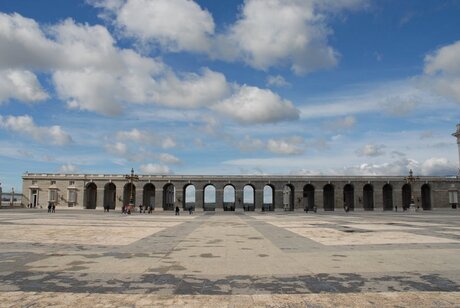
(368, 197)
(406, 196)
(209, 197)
(169, 197)
(387, 193)
(309, 197)
(288, 197)
(148, 196)
(249, 196)
(189, 199)
(129, 194)
(349, 197)
(328, 197)
(426, 197)
(269, 198)
(110, 195)
(229, 197)
(90, 195)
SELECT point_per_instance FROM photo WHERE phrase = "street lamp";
(131, 178)
(411, 179)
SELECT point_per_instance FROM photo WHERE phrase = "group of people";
(145, 209)
(51, 207)
(177, 211)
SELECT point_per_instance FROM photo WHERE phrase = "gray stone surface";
(75, 257)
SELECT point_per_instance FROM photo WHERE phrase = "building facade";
(228, 193)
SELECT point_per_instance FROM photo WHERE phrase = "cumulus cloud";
(173, 24)
(372, 150)
(144, 137)
(22, 85)
(439, 166)
(289, 146)
(25, 125)
(68, 168)
(442, 71)
(155, 169)
(277, 81)
(266, 33)
(252, 105)
(169, 159)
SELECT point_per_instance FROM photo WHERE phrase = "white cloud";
(251, 105)
(249, 144)
(439, 166)
(277, 81)
(277, 32)
(68, 168)
(155, 169)
(173, 24)
(25, 125)
(372, 150)
(442, 71)
(144, 137)
(289, 146)
(117, 148)
(340, 123)
(22, 85)
(169, 159)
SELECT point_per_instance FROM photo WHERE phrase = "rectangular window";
(72, 196)
(71, 182)
(53, 195)
(53, 182)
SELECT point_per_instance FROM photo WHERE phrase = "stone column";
(179, 199)
(278, 201)
(239, 198)
(158, 199)
(199, 198)
(258, 198)
(100, 198)
(219, 198)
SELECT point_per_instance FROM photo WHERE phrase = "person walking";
(177, 211)
(49, 207)
(53, 209)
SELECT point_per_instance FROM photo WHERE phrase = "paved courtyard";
(92, 258)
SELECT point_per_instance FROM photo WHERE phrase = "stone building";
(329, 193)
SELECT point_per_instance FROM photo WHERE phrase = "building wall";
(439, 187)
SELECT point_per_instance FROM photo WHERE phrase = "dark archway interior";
(129, 194)
(328, 197)
(309, 197)
(368, 197)
(168, 197)
(349, 197)
(406, 196)
(110, 195)
(426, 197)
(148, 196)
(387, 197)
(90, 196)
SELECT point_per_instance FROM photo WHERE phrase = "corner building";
(248, 193)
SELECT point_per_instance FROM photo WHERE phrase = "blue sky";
(347, 87)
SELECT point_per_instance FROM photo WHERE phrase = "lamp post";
(131, 178)
(411, 179)
(457, 135)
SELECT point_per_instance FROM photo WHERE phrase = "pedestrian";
(123, 209)
(49, 207)
(190, 210)
(177, 210)
(140, 208)
(150, 209)
(54, 208)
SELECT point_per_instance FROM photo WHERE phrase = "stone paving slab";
(91, 258)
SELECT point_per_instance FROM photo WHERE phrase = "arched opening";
(309, 197)
(148, 196)
(269, 196)
(387, 197)
(248, 198)
(328, 197)
(169, 197)
(229, 198)
(110, 195)
(90, 196)
(406, 196)
(368, 197)
(129, 194)
(209, 196)
(349, 197)
(426, 197)
(189, 197)
(288, 197)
